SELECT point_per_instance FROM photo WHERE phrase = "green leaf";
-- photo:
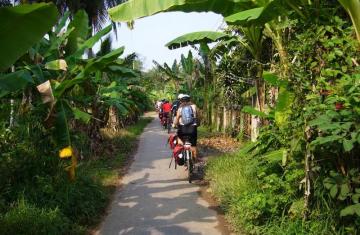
(252, 111)
(284, 101)
(258, 15)
(55, 43)
(101, 62)
(135, 9)
(323, 140)
(355, 198)
(62, 132)
(351, 210)
(247, 148)
(123, 71)
(283, 106)
(344, 191)
(80, 23)
(320, 120)
(89, 43)
(93, 65)
(329, 183)
(329, 126)
(276, 156)
(197, 38)
(245, 17)
(80, 115)
(21, 27)
(348, 145)
(274, 80)
(334, 191)
(14, 81)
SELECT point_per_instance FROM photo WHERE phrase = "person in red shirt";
(166, 109)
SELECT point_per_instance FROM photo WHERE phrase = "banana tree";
(188, 66)
(21, 27)
(172, 73)
(55, 68)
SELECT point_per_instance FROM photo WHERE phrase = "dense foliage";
(59, 102)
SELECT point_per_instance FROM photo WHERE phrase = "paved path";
(155, 199)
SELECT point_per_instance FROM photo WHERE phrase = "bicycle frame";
(188, 159)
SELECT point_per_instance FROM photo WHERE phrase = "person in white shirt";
(186, 120)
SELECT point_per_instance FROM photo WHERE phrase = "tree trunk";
(12, 114)
(255, 120)
(307, 192)
(113, 122)
(218, 119)
(225, 120)
(207, 86)
(258, 102)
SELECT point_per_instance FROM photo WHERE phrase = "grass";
(229, 182)
(260, 202)
(36, 196)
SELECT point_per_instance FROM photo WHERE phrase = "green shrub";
(27, 219)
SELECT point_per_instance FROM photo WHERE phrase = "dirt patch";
(217, 145)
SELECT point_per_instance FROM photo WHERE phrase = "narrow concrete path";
(155, 199)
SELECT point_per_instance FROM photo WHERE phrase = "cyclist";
(166, 109)
(158, 105)
(161, 109)
(175, 106)
(186, 121)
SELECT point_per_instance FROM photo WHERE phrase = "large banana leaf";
(62, 133)
(21, 27)
(81, 115)
(89, 43)
(93, 65)
(259, 15)
(244, 17)
(252, 111)
(123, 71)
(353, 9)
(80, 23)
(135, 9)
(197, 38)
(98, 64)
(14, 81)
(187, 63)
(283, 106)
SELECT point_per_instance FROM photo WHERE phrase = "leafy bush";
(27, 219)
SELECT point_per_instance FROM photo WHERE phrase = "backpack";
(178, 155)
(187, 115)
(172, 141)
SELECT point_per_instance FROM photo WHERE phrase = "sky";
(150, 34)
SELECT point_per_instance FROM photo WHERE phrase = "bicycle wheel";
(169, 126)
(189, 164)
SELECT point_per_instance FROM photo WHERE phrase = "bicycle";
(189, 162)
(166, 122)
(187, 158)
